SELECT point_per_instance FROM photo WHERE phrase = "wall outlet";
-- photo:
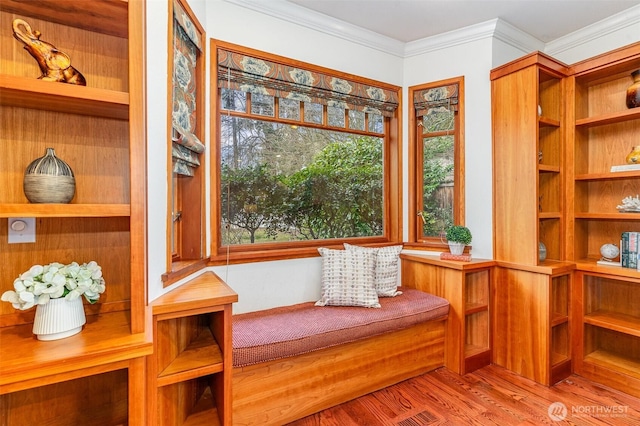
(22, 230)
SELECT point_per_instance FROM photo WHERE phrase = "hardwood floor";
(489, 396)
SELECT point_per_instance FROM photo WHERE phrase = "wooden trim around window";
(415, 240)
(191, 189)
(267, 251)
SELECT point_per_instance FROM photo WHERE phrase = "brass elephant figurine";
(55, 65)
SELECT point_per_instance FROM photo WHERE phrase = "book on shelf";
(629, 249)
(608, 263)
(625, 167)
(460, 257)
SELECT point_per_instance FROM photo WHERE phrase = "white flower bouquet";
(41, 283)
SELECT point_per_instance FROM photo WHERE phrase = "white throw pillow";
(387, 266)
(348, 278)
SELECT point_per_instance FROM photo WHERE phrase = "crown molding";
(621, 20)
(293, 13)
(515, 37)
(494, 28)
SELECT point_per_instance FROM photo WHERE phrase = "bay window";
(305, 156)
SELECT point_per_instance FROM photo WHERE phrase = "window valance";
(248, 74)
(190, 30)
(436, 97)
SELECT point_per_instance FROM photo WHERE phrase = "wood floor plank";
(491, 395)
(501, 406)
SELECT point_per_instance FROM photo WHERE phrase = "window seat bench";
(292, 361)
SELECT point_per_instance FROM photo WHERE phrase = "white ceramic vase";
(456, 248)
(59, 318)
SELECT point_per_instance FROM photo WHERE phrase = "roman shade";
(436, 97)
(185, 145)
(255, 75)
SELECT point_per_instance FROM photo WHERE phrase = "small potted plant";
(458, 237)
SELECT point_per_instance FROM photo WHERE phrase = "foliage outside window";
(296, 170)
(289, 183)
(437, 155)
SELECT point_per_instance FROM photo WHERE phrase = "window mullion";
(248, 105)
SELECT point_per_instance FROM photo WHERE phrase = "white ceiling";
(410, 20)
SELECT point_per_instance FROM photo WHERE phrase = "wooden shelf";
(615, 362)
(544, 168)
(608, 216)
(66, 98)
(608, 176)
(557, 359)
(105, 16)
(622, 323)
(105, 339)
(472, 308)
(200, 358)
(65, 210)
(549, 215)
(614, 117)
(548, 122)
(548, 267)
(473, 350)
(204, 413)
(475, 264)
(558, 319)
(618, 272)
(204, 291)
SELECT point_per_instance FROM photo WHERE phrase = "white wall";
(473, 61)
(266, 284)
(157, 27)
(235, 24)
(617, 31)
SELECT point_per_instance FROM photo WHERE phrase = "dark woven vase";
(48, 179)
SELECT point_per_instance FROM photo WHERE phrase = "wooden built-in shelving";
(99, 130)
(466, 285)
(201, 357)
(530, 295)
(192, 359)
(606, 306)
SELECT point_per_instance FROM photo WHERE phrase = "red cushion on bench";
(292, 330)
